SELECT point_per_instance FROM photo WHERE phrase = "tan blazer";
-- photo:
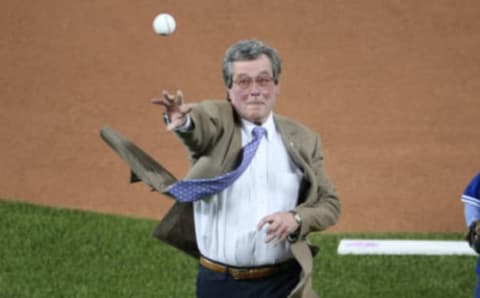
(214, 147)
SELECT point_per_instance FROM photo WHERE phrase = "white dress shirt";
(226, 223)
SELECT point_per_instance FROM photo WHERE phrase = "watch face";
(298, 218)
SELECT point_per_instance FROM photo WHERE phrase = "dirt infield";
(392, 87)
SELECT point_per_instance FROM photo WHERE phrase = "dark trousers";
(477, 287)
(222, 285)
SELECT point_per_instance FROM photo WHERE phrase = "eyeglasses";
(246, 82)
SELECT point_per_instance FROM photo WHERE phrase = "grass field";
(51, 252)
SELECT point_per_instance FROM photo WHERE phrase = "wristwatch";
(297, 217)
(294, 236)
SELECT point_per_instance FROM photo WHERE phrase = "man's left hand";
(281, 224)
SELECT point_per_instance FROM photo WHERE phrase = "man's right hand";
(175, 108)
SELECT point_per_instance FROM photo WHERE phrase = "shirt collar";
(269, 126)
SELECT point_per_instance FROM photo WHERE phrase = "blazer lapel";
(291, 143)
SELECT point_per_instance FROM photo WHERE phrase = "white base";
(403, 247)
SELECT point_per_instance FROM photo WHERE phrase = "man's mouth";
(255, 102)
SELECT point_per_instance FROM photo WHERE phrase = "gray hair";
(249, 50)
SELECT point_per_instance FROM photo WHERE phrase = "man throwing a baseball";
(251, 230)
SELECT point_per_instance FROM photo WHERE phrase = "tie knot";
(258, 132)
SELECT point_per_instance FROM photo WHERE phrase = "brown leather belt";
(246, 273)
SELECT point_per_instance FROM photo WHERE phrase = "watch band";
(294, 236)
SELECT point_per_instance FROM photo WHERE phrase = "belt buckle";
(252, 273)
(239, 273)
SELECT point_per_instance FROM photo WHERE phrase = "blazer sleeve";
(205, 127)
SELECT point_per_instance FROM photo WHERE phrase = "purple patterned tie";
(189, 190)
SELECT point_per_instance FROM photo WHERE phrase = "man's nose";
(254, 89)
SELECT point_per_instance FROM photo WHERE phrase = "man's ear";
(227, 95)
(277, 89)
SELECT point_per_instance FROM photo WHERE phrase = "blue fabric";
(477, 288)
(472, 213)
(471, 199)
(189, 190)
(222, 285)
(473, 188)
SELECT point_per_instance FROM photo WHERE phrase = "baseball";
(164, 24)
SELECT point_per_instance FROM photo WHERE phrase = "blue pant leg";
(477, 288)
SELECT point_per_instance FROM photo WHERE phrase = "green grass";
(50, 252)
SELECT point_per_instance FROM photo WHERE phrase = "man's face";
(253, 92)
